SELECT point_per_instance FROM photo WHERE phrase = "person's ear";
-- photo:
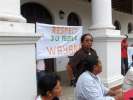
(95, 67)
(49, 93)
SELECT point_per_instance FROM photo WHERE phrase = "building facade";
(18, 38)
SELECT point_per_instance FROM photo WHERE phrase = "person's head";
(49, 85)
(93, 65)
(86, 40)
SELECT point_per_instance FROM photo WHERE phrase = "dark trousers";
(124, 66)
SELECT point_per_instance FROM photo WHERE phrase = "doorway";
(34, 12)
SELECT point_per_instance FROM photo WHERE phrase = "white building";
(17, 38)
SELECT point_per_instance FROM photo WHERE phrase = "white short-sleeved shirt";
(90, 87)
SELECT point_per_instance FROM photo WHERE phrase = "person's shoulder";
(92, 49)
(80, 51)
(86, 76)
(84, 79)
(130, 70)
(129, 73)
(38, 98)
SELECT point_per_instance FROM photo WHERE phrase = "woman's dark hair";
(47, 82)
(83, 37)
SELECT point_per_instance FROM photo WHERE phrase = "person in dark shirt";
(74, 66)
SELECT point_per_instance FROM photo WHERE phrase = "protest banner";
(57, 40)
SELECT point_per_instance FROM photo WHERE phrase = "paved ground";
(68, 93)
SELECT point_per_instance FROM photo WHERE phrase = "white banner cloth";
(57, 40)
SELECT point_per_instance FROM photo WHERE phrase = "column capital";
(101, 26)
(12, 18)
(10, 11)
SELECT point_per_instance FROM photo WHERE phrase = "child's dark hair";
(47, 82)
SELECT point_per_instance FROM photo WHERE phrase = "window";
(73, 20)
(34, 12)
(130, 28)
(117, 25)
(123, 5)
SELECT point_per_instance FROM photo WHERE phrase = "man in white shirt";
(89, 85)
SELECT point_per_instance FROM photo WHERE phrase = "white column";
(17, 61)
(101, 14)
(17, 54)
(107, 42)
(17, 66)
(10, 11)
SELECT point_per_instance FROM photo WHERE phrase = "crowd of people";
(83, 69)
